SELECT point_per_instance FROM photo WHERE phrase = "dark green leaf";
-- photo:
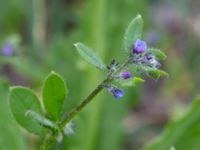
(133, 32)
(54, 94)
(22, 100)
(89, 55)
(158, 53)
(182, 134)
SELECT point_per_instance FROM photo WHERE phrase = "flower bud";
(125, 75)
(117, 93)
(139, 47)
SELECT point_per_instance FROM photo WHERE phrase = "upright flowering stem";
(89, 98)
(48, 140)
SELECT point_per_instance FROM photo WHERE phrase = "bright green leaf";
(89, 55)
(54, 94)
(137, 80)
(133, 32)
(158, 53)
(21, 100)
(131, 82)
(182, 134)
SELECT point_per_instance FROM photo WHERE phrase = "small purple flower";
(139, 46)
(7, 49)
(117, 93)
(125, 75)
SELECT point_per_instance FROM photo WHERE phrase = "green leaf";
(89, 55)
(137, 80)
(54, 94)
(21, 100)
(153, 72)
(133, 32)
(158, 53)
(182, 134)
(131, 82)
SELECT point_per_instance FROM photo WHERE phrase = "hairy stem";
(48, 140)
(89, 98)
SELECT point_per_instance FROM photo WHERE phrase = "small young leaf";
(40, 119)
(133, 32)
(21, 100)
(158, 53)
(131, 82)
(54, 94)
(89, 55)
(153, 72)
(137, 80)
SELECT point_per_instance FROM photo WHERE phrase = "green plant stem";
(89, 98)
(48, 140)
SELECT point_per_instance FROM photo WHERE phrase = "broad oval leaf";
(21, 100)
(54, 93)
(133, 32)
(182, 134)
(158, 53)
(89, 55)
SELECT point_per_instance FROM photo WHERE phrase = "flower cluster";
(140, 55)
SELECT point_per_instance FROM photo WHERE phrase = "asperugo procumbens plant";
(50, 122)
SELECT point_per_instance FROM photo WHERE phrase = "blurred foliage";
(181, 134)
(11, 137)
(46, 32)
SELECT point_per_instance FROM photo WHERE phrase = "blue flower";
(7, 49)
(117, 93)
(125, 75)
(139, 46)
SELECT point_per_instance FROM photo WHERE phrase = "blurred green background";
(42, 33)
